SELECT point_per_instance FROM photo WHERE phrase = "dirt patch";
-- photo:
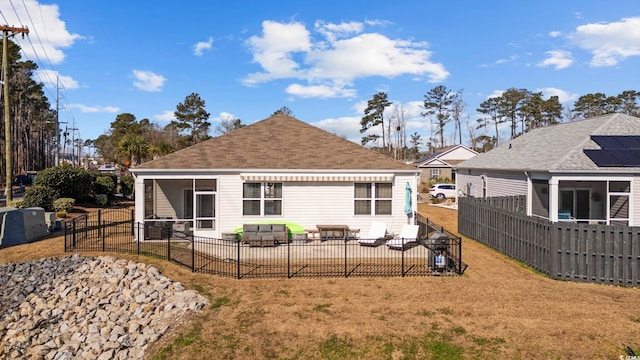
(497, 309)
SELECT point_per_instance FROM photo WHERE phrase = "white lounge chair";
(407, 237)
(376, 236)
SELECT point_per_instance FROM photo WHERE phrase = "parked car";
(442, 191)
(22, 180)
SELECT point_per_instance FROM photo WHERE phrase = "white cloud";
(48, 34)
(148, 80)
(609, 43)
(95, 108)
(495, 94)
(555, 34)
(200, 47)
(560, 59)
(320, 91)
(274, 50)
(165, 116)
(334, 31)
(50, 77)
(563, 96)
(225, 116)
(373, 55)
(511, 58)
(347, 126)
(340, 54)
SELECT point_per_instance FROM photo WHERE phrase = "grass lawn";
(496, 310)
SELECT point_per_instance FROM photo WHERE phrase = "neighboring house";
(586, 171)
(275, 170)
(442, 162)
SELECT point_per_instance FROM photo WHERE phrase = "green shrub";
(17, 203)
(67, 181)
(440, 180)
(126, 185)
(40, 196)
(102, 199)
(63, 204)
(104, 184)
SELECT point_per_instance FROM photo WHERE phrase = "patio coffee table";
(333, 232)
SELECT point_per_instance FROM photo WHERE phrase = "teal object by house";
(407, 200)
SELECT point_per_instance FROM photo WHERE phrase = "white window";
(619, 192)
(435, 173)
(262, 198)
(372, 198)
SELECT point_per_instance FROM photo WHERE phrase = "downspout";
(529, 194)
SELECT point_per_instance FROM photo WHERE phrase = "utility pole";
(57, 139)
(6, 32)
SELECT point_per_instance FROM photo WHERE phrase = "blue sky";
(322, 59)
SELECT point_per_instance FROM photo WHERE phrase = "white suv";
(442, 191)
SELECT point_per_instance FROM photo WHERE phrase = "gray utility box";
(21, 226)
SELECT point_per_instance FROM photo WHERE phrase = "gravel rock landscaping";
(87, 307)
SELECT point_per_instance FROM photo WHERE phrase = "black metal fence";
(565, 251)
(108, 232)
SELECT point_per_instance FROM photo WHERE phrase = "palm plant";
(133, 147)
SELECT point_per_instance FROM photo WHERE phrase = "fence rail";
(565, 251)
(298, 258)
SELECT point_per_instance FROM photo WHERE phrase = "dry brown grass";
(497, 309)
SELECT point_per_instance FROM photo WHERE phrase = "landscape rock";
(87, 307)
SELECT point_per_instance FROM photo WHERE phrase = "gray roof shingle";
(555, 148)
(278, 142)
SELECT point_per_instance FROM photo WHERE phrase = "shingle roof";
(278, 142)
(555, 148)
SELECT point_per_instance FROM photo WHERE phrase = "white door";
(205, 214)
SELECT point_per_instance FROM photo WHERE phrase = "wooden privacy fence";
(565, 251)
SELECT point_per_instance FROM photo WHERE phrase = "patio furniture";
(264, 234)
(230, 237)
(376, 236)
(565, 215)
(313, 234)
(157, 230)
(280, 233)
(407, 238)
(333, 232)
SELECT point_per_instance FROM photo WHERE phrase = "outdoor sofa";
(264, 234)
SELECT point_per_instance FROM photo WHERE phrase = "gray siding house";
(585, 171)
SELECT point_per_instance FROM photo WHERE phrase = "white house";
(441, 163)
(277, 169)
(585, 171)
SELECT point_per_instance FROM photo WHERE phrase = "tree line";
(33, 121)
(521, 110)
(130, 140)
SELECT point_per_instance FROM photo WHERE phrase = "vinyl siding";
(169, 192)
(310, 204)
(458, 154)
(498, 184)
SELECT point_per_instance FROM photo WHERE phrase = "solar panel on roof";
(614, 158)
(617, 141)
(616, 151)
